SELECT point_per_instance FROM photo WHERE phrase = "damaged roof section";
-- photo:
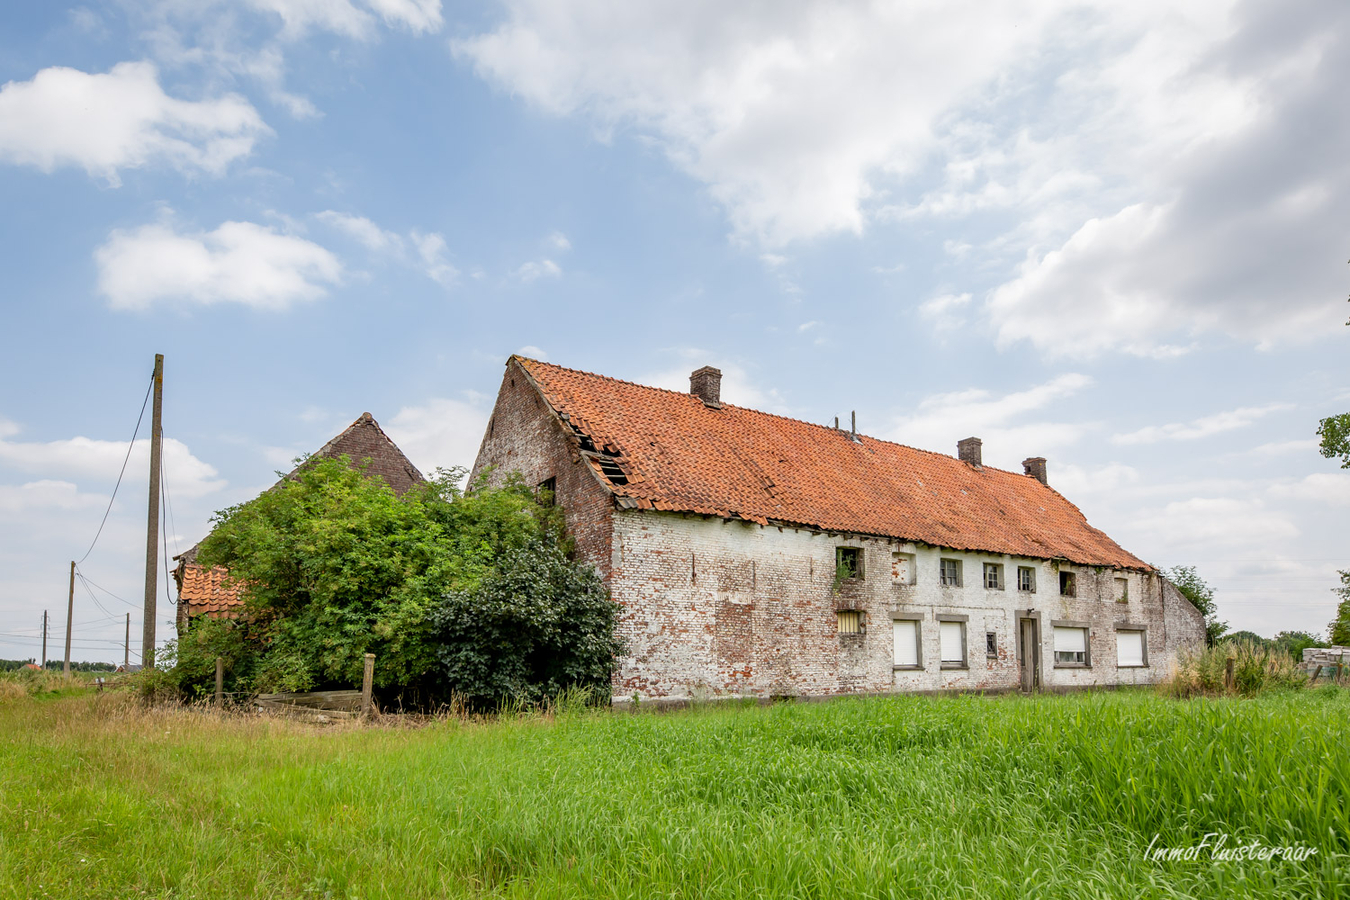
(680, 454)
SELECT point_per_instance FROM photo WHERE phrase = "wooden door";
(1030, 657)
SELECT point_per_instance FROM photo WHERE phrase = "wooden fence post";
(367, 683)
(1229, 681)
(220, 681)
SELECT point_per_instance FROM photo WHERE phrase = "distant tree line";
(13, 665)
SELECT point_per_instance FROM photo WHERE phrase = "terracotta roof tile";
(208, 592)
(678, 454)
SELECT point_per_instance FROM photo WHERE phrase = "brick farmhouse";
(756, 555)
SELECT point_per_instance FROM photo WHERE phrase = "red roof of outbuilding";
(677, 454)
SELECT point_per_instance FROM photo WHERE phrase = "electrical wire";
(125, 460)
(108, 592)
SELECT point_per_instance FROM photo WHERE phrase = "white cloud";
(88, 458)
(533, 352)
(364, 231)
(1203, 427)
(440, 432)
(46, 494)
(1005, 423)
(536, 269)
(1075, 481)
(1234, 524)
(431, 250)
(559, 242)
(945, 310)
(1277, 448)
(239, 262)
(747, 97)
(349, 19)
(1150, 172)
(105, 123)
(1332, 488)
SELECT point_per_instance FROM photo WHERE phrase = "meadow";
(1051, 796)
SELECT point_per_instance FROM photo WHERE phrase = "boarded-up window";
(906, 643)
(849, 621)
(1129, 648)
(953, 635)
(1070, 646)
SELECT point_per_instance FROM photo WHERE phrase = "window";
(1130, 649)
(991, 645)
(1068, 585)
(906, 632)
(548, 491)
(849, 621)
(951, 572)
(902, 568)
(1026, 579)
(993, 576)
(1071, 646)
(953, 640)
(847, 563)
(1122, 590)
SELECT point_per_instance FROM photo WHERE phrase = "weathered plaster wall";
(725, 608)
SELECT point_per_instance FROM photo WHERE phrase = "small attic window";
(547, 492)
(1068, 584)
(848, 562)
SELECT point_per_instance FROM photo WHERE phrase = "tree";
(1201, 595)
(334, 565)
(1340, 626)
(1335, 434)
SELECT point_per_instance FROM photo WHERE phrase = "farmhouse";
(208, 591)
(757, 555)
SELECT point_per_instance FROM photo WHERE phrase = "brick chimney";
(706, 384)
(1035, 467)
(968, 451)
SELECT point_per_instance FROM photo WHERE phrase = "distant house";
(757, 555)
(203, 591)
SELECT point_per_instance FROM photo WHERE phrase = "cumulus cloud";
(946, 310)
(1151, 173)
(539, 268)
(354, 20)
(429, 251)
(1203, 427)
(122, 119)
(441, 432)
(1011, 425)
(90, 458)
(1332, 488)
(46, 494)
(1229, 522)
(532, 352)
(239, 262)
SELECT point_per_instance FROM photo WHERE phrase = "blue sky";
(1112, 237)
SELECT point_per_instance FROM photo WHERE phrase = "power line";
(125, 459)
(108, 592)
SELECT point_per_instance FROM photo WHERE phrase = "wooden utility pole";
(126, 648)
(152, 527)
(44, 639)
(220, 681)
(367, 682)
(70, 611)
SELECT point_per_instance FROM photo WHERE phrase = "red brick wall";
(525, 436)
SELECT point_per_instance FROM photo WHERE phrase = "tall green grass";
(1256, 669)
(888, 797)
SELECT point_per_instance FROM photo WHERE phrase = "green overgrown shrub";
(333, 565)
(1203, 672)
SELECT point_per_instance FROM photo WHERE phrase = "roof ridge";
(762, 412)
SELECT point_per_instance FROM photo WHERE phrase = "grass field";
(1055, 796)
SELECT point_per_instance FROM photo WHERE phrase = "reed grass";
(1050, 796)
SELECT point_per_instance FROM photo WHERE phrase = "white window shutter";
(906, 643)
(1070, 640)
(953, 642)
(1129, 648)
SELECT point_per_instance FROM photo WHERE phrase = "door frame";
(1029, 656)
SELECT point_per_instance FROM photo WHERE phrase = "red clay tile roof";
(677, 454)
(204, 591)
